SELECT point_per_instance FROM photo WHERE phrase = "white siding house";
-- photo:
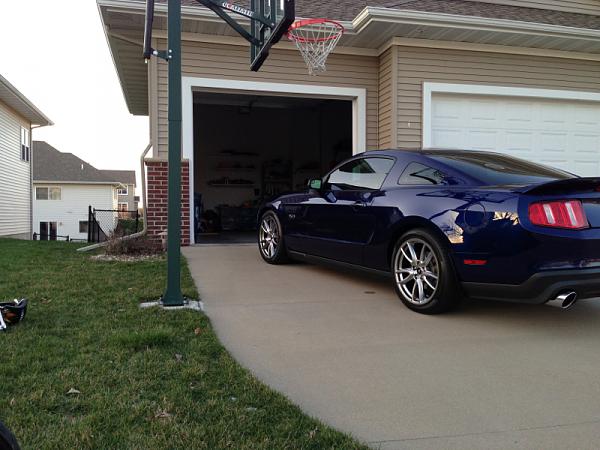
(65, 187)
(127, 191)
(17, 115)
(69, 209)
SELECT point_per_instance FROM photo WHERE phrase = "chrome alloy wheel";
(269, 236)
(416, 271)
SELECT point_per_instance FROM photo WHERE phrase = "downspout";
(144, 203)
(32, 192)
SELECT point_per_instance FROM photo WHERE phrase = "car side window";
(363, 173)
(420, 174)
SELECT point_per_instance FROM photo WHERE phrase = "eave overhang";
(11, 96)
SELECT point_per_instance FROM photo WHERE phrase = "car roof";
(427, 152)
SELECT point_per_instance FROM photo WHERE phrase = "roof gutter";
(425, 18)
(378, 14)
(101, 183)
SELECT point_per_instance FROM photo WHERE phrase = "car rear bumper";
(540, 287)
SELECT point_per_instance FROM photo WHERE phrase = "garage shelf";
(236, 169)
(233, 185)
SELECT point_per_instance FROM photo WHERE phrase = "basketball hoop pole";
(173, 295)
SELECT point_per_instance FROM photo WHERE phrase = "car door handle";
(358, 205)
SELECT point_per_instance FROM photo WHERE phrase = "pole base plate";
(195, 305)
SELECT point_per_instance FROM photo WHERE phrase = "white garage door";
(563, 134)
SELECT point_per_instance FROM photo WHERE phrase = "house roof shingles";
(122, 176)
(494, 11)
(53, 166)
(349, 9)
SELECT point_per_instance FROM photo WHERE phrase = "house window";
(25, 145)
(123, 190)
(47, 193)
(41, 193)
(83, 226)
(48, 231)
(123, 210)
(55, 193)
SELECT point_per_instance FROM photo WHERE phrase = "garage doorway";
(251, 147)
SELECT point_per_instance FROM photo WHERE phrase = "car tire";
(7, 439)
(271, 243)
(423, 273)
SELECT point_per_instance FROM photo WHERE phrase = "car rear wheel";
(424, 277)
(270, 239)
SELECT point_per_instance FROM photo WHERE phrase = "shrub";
(128, 226)
(137, 246)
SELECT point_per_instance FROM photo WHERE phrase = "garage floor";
(344, 348)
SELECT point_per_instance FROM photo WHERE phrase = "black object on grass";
(7, 439)
(12, 313)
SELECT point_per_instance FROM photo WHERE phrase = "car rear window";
(420, 174)
(492, 169)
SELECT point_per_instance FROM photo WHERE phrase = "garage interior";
(249, 148)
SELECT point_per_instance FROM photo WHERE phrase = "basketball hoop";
(316, 39)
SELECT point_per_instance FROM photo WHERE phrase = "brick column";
(156, 215)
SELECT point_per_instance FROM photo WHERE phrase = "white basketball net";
(315, 39)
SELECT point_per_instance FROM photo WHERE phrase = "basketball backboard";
(269, 21)
(272, 20)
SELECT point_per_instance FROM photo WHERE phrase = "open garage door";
(559, 133)
(249, 148)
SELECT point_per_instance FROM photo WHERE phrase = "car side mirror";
(315, 184)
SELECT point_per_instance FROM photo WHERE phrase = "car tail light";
(558, 214)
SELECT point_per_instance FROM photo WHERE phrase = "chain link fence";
(105, 223)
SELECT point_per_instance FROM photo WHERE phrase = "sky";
(56, 54)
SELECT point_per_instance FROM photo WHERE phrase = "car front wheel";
(424, 277)
(270, 239)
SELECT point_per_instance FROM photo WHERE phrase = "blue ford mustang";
(447, 224)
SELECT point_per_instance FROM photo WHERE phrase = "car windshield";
(493, 169)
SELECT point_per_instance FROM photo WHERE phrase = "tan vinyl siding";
(283, 66)
(15, 176)
(386, 99)
(576, 6)
(418, 65)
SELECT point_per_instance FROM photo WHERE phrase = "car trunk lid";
(586, 190)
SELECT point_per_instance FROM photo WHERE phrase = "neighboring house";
(65, 187)
(126, 193)
(521, 77)
(18, 116)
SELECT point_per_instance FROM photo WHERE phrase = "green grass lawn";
(148, 379)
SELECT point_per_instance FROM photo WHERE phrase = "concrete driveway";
(346, 350)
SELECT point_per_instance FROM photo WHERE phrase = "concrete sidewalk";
(343, 347)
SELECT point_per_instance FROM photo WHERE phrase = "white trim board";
(499, 91)
(358, 96)
(486, 48)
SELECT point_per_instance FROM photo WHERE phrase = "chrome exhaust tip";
(564, 300)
